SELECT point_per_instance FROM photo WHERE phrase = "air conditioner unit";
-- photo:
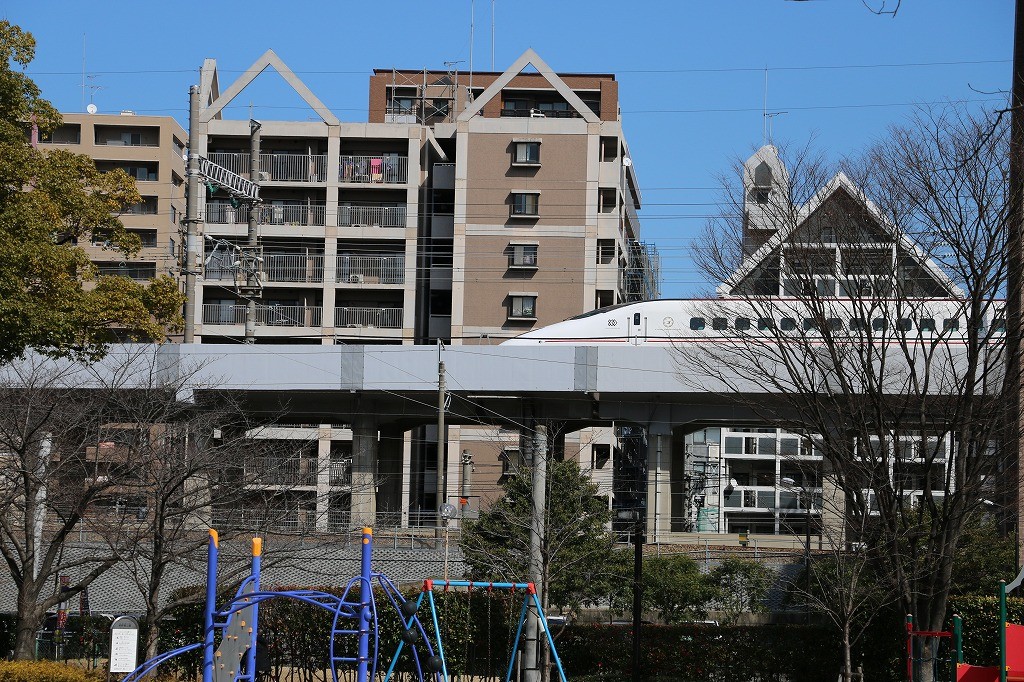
(355, 279)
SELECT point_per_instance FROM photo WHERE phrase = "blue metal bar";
(211, 605)
(250, 656)
(515, 642)
(480, 584)
(437, 633)
(401, 642)
(152, 663)
(543, 620)
(364, 610)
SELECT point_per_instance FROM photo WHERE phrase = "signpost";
(124, 644)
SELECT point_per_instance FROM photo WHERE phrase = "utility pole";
(251, 261)
(1015, 265)
(531, 651)
(192, 255)
(441, 485)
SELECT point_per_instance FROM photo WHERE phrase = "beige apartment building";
(466, 210)
(152, 150)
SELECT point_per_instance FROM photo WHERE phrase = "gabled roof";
(526, 59)
(839, 183)
(269, 58)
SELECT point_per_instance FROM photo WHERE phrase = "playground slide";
(1014, 661)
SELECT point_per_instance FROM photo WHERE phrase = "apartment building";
(152, 150)
(466, 210)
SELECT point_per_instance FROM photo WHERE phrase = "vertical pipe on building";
(192, 256)
(249, 262)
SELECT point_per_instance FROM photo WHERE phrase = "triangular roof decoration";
(839, 182)
(269, 58)
(529, 58)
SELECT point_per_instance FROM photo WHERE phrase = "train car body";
(673, 321)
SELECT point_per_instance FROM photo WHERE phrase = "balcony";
(385, 169)
(340, 472)
(276, 167)
(293, 267)
(266, 315)
(351, 215)
(380, 318)
(278, 471)
(371, 269)
(309, 213)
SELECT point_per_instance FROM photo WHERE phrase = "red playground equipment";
(1011, 647)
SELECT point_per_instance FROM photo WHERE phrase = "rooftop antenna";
(767, 116)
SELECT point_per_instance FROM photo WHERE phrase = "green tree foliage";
(742, 585)
(575, 549)
(675, 588)
(50, 297)
(983, 557)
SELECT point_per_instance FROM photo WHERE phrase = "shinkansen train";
(700, 320)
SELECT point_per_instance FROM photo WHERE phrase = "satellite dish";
(91, 108)
(627, 162)
(448, 511)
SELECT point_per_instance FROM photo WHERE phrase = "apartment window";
(522, 306)
(605, 251)
(527, 153)
(147, 237)
(609, 148)
(604, 298)
(522, 255)
(600, 454)
(138, 271)
(606, 199)
(69, 133)
(525, 204)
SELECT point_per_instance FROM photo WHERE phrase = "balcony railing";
(276, 167)
(305, 213)
(383, 169)
(371, 216)
(289, 267)
(340, 473)
(371, 269)
(381, 318)
(278, 471)
(266, 315)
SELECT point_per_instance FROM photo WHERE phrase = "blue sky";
(691, 73)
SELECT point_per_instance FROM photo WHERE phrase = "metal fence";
(266, 315)
(382, 318)
(276, 166)
(373, 268)
(312, 213)
(354, 215)
(387, 169)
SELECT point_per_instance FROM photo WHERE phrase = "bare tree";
(871, 314)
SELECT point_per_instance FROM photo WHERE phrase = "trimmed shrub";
(44, 671)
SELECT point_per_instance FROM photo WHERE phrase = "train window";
(927, 324)
(904, 324)
(742, 323)
(636, 318)
(835, 324)
(858, 325)
(951, 324)
(999, 325)
(787, 324)
(879, 324)
(719, 323)
(697, 323)
(810, 324)
(765, 323)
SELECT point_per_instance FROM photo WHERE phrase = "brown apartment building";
(467, 209)
(151, 149)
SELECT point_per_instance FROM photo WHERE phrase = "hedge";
(44, 671)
